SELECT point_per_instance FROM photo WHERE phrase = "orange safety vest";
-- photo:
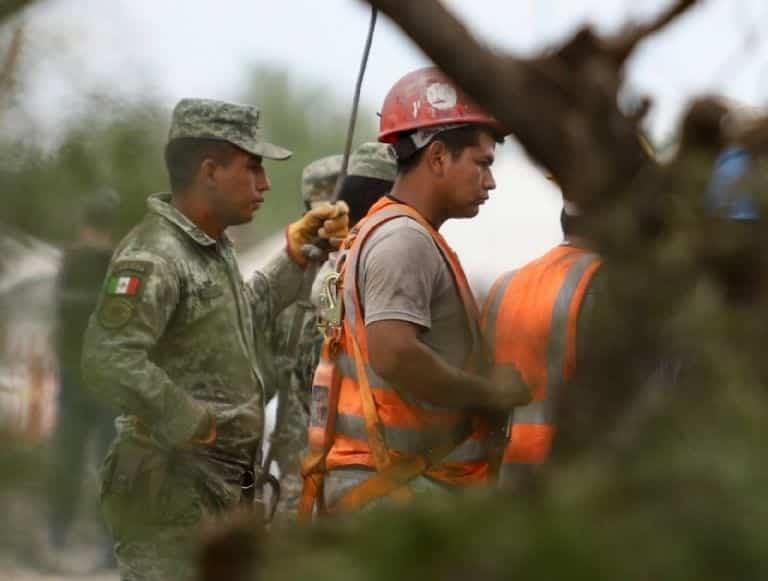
(358, 419)
(530, 320)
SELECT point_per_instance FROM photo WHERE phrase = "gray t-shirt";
(403, 276)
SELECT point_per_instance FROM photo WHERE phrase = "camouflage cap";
(319, 179)
(237, 124)
(373, 160)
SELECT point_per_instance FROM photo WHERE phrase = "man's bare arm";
(401, 358)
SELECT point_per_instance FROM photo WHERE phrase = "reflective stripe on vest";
(410, 442)
(409, 427)
(516, 315)
(492, 306)
(347, 368)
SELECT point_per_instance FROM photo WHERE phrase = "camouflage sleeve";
(277, 285)
(308, 356)
(266, 354)
(138, 300)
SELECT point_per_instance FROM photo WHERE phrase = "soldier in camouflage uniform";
(174, 338)
(297, 339)
(295, 344)
(318, 180)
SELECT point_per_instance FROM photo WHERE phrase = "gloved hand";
(327, 222)
(206, 431)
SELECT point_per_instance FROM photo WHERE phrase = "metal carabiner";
(330, 312)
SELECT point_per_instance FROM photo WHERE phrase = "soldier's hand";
(206, 431)
(325, 222)
(509, 388)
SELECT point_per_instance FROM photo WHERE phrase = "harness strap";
(313, 467)
(313, 476)
(372, 422)
(376, 441)
(392, 480)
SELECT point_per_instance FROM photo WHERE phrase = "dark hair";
(360, 193)
(183, 157)
(455, 140)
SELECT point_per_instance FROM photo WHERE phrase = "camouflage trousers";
(289, 444)
(155, 503)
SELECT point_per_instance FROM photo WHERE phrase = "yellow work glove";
(325, 222)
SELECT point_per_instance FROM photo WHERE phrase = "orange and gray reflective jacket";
(353, 405)
(530, 320)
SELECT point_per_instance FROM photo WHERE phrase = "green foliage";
(122, 147)
(682, 501)
(119, 148)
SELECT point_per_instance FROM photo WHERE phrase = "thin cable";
(355, 105)
(318, 248)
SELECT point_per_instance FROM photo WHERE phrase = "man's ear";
(206, 174)
(436, 156)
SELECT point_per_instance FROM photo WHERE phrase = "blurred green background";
(120, 145)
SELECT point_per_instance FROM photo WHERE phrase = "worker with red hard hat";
(402, 388)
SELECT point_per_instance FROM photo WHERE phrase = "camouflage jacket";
(176, 333)
(296, 342)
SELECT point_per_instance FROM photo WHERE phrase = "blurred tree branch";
(623, 45)
(644, 218)
(8, 67)
(9, 8)
(562, 107)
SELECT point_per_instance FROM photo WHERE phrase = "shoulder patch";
(115, 312)
(125, 284)
(127, 277)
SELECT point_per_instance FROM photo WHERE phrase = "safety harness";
(392, 474)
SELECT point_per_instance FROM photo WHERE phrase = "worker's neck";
(418, 193)
(577, 241)
(193, 204)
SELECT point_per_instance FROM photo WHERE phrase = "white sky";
(176, 48)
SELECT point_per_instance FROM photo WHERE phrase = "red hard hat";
(427, 98)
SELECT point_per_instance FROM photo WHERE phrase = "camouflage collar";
(161, 204)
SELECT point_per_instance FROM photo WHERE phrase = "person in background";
(82, 419)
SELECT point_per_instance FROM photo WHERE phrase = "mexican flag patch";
(123, 285)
